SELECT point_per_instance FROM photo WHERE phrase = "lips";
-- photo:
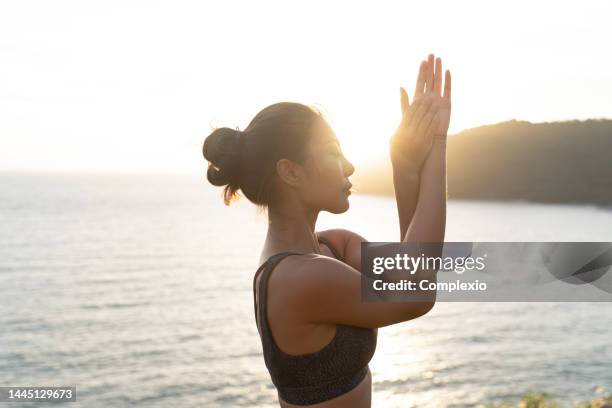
(347, 188)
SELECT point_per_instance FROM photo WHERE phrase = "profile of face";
(321, 181)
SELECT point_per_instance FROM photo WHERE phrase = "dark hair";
(246, 160)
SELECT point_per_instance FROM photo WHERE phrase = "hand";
(443, 102)
(411, 142)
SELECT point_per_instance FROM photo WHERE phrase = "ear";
(290, 172)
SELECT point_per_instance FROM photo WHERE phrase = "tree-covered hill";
(555, 162)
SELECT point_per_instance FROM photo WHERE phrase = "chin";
(339, 208)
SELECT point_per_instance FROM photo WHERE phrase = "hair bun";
(222, 150)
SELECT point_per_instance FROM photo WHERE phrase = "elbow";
(426, 305)
(419, 308)
(430, 296)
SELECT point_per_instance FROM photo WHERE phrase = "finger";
(437, 85)
(405, 103)
(447, 85)
(429, 72)
(412, 109)
(420, 85)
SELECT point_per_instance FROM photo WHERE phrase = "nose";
(348, 167)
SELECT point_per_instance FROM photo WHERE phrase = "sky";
(136, 86)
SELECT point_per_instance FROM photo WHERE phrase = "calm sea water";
(137, 290)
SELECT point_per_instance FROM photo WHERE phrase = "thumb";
(404, 101)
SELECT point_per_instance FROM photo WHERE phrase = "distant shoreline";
(550, 163)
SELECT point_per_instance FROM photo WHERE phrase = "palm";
(429, 86)
(425, 120)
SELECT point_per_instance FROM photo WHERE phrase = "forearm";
(406, 185)
(421, 203)
(429, 221)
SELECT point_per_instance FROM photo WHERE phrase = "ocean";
(137, 290)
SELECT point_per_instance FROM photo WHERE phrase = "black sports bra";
(313, 377)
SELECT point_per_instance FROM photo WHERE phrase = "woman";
(317, 334)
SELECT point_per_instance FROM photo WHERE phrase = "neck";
(291, 228)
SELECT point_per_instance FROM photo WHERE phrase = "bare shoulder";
(295, 271)
(297, 281)
(289, 271)
(295, 284)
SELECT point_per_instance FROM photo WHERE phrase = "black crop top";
(313, 377)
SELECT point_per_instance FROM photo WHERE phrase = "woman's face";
(327, 171)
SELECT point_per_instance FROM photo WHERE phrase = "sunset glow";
(136, 86)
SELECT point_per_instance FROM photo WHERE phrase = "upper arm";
(348, 243)
(329, 291)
